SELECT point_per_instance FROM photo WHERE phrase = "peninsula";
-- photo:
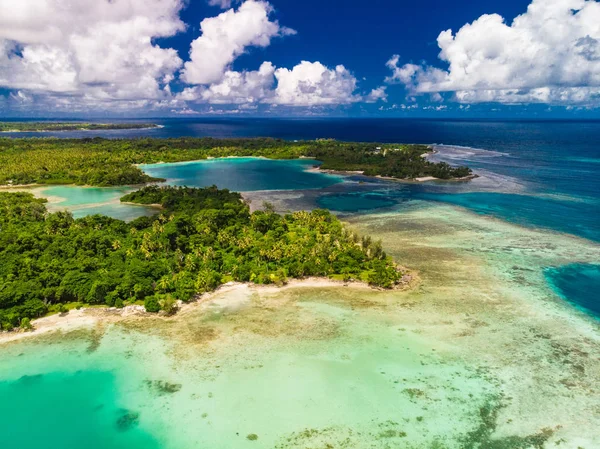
(104, 162)
(202, 239)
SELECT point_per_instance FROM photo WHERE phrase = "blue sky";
(290, 58)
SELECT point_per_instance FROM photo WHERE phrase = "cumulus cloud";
(377, 94)
(311, 83)
(236, 88)
(226, 37)
(306, 84)
(97, 49)
(550, 54)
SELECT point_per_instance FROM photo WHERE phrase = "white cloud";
(236, 88)
(90, 48)
(184, 111)
(550, 54)
(306, 84)
(226, 37)
(311, 83)
(377, 94)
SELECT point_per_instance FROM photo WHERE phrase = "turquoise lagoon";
(84, 201)
(244, 174)
(237, 174)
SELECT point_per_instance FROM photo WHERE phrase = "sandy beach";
(87, 317)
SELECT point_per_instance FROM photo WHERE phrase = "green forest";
(201, 239)
(69, 126)
(104, 162)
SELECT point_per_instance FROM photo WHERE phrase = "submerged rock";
(163, 387)
(127, 420)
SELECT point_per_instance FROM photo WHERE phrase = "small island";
(12, 127)
(201, 239)
(105, 162)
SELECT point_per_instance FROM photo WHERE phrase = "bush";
(26, 324)
(169, 305)
(151, 304)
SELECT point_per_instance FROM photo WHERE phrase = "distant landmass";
(7, 127)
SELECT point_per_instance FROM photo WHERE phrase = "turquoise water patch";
(355, 202)
(564, 216)
(84, 201)
(579, 284)
(68, 411)
(77, 196)
(244, 174)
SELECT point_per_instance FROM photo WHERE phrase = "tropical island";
(201, 239)
(7, 127)
(103, 162)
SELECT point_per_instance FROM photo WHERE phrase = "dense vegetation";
(202, 238)
(102, 162)
(67, 126)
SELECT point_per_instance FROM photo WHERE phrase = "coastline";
(24, 187)
(389, 178)
(91, 316)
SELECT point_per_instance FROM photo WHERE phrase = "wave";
(464, 153)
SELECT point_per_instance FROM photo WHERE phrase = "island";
(113, 162)
(200, 239)
(12, 127)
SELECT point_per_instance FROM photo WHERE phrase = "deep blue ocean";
(538, 174)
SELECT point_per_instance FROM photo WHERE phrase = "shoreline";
(90, 316)
(390, 178)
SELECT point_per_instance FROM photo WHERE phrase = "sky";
(388, 58)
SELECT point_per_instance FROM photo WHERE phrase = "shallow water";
(81, 196)
(314, 371)
(84, 201)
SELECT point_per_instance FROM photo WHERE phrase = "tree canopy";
(201, 239)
